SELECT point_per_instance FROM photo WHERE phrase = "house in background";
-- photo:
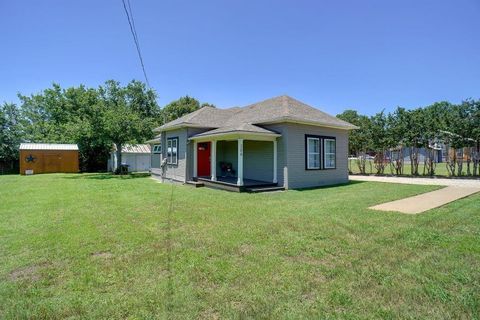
(280, 142)
(48, 158)
(136, 157)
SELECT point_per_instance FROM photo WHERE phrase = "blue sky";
(366, 55)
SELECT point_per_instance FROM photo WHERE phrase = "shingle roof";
(285, 108)
(48, 146)
(207, 117)
(278, 109)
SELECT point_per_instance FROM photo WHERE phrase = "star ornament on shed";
(30, 158)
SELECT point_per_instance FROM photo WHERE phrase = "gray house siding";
(156, 159)
(298, 176)
(179, 171)
(282, 167)
(258, 160)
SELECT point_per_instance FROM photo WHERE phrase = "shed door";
(52, 162)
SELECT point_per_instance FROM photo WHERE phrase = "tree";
(129, 113)
(379, 140)
(178, 108)
(10, 134)
(358, 139)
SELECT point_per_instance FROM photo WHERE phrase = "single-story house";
(48, 158)
(279, 141)
(135, 156)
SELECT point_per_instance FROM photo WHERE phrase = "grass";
(100, 246)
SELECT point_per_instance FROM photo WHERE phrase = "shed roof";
(48, 146)
(134, 148)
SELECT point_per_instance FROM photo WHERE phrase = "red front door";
(203, 159)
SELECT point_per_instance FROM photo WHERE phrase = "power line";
(131, 23)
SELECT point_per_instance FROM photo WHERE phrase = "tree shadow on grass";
(351, 182)
(108, 176)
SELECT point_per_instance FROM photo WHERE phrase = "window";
(329, 153)
(320, 152)
(313, 153)
(172, 150)
(157, 148)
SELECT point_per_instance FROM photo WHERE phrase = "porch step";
(196, 184)
(264, 189)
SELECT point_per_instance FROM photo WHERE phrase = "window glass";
(313, 153)
(329, 153)
(172, 152)
(157, 148)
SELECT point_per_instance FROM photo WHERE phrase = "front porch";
(230, 184)
(242, 163)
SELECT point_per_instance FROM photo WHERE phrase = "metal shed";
(48, 158)
(136, 156)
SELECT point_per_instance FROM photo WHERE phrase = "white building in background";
(136, 157)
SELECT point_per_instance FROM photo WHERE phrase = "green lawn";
(99, 246)
(440, 168)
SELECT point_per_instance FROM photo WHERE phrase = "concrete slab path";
(456, 189)
(426, 201)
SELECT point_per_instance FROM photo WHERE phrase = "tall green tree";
(178, 108)
(10, 135)
(129, 113)
(359, 139)
(379, 140)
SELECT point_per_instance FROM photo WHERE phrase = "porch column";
(213, 160)
(275, 161)
(195, 151)
(240, 163)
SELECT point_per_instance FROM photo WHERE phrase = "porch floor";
(233, 181)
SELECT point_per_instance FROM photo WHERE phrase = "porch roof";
(245, 129)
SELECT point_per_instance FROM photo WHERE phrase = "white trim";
(240, 163)
(195, 155)
(329, 153)
(275, 180)
(213, 160)
(309, 152)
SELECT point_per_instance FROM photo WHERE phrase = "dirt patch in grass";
(245, 249)
(102, 255)
(28, 273)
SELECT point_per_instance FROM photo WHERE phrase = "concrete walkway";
(455, 189)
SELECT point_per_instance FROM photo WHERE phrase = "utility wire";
(131, 23)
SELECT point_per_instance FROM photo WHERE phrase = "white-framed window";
(172, 150)
(157, 148)
(329, 150)
(313, 153)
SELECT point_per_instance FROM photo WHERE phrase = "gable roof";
(286, 109)
(274, 110)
